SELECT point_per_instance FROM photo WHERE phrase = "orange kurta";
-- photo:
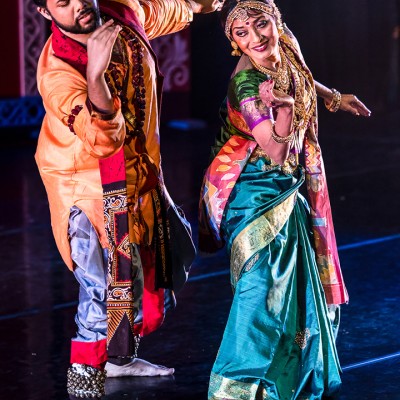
(68, 162)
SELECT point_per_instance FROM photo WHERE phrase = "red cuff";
(89, 353)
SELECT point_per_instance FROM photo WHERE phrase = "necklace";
(281, 76)
(291, 76)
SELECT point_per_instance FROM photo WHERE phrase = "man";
(99, 157)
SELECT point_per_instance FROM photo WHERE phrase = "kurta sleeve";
(243, 94)
(165, 16)
(65, 97)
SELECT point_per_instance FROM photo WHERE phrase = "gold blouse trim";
(259, 234)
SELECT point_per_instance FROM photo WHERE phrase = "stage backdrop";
(351, 45)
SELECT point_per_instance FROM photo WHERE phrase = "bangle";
(190, 12)
(281, 139)
(334, 105)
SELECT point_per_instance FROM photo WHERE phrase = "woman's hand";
(274, 98)
(348, 102)
(351, 104)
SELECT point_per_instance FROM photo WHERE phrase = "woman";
(279, 342)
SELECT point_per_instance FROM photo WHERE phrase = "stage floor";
(38, 294)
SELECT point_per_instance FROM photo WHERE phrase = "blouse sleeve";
(243, 94)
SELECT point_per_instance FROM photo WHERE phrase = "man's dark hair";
(40, 3)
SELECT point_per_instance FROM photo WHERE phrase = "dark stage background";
(352, 45)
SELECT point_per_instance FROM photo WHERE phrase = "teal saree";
(278, 342)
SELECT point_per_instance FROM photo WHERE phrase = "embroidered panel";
(223, 388)
(258, 234)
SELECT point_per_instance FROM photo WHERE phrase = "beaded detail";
(85, 382)
(118, 84)
(302, 338)
(71, 117)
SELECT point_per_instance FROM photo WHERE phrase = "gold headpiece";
(240, 11)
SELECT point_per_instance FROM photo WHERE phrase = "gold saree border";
(259, 234)
(225, 388)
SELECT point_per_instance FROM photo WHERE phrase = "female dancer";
(279, 342)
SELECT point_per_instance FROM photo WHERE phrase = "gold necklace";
(281, 76)
(286, 73)
(304, 89)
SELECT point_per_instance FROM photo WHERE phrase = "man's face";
(74, 16)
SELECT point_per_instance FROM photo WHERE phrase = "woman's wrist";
(281, 138)
(333, 105)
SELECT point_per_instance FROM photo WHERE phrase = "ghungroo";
(85, 382)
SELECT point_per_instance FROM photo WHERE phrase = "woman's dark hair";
(228, 6)
(40, 3)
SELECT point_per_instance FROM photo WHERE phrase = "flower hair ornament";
(240, 11)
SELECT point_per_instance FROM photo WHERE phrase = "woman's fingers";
(266, 95)
(352, 104)
(272, 97)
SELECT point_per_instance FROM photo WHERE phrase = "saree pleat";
(278, 342)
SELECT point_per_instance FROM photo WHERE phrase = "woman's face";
(258, 38)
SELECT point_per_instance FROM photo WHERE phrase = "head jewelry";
(240, 11)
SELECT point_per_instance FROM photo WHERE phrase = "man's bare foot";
(137, 367)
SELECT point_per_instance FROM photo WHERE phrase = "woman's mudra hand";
(274, 98)
(351, 104)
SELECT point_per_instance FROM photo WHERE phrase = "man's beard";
(77, 28)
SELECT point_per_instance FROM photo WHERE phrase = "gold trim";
(224, 388)
(259, 234)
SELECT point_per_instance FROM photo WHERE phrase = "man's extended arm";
(162, 17)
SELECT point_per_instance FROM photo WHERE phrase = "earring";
(236, 52)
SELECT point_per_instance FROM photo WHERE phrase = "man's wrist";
(194, 7)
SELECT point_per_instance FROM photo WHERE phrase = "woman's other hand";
(274, 98)
(351, 104)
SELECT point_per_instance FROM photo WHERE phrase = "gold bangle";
(334, 105)
(190, 12)
(281, 139)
